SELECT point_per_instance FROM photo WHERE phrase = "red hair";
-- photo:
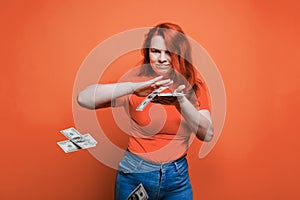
(180, 50)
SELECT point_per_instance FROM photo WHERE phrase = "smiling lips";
(162, 66)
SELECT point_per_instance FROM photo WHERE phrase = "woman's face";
(160, 58)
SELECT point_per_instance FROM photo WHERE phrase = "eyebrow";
(152, 48)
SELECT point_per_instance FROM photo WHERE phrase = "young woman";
(160, 133)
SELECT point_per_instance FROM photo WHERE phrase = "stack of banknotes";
(156, 93)
(76, 140)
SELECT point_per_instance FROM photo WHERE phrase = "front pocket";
(181, 168)
(126, 165)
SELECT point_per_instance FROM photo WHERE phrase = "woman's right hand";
(146, 87)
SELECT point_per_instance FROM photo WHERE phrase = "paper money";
(139, 193)
(71, 133)
(68, 146)
(76, 140)
(87, 141)
(149, 98)
(171, 95)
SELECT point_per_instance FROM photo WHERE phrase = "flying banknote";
(76, 140)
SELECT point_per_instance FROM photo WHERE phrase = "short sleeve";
(121, 101)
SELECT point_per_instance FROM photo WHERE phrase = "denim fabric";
(162, 181)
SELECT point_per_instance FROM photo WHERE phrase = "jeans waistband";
(134, 163)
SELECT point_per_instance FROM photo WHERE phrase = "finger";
(155, 79)
(152, 81)
(170, 83)
(163, 82)
(179, 89)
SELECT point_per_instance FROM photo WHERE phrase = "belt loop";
(176, 166)
(140, 164)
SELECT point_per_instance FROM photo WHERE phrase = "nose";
(162, 57)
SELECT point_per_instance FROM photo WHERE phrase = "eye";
(168, 52)
(154, 50)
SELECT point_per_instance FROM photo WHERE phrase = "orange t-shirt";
(159, 133)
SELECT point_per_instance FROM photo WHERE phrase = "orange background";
(255, 45)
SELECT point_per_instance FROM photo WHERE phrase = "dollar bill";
(171, 95)
(139, 193)
(149, 98)
(89, 138)
(87, 141)
(71, 133)
(76, 140)
(68, 146)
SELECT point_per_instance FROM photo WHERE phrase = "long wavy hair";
(180, 51)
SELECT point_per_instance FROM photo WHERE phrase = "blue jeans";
(162, 181)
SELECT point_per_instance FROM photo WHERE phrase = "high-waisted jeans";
(162, 181)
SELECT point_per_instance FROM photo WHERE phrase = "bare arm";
(101, 95)
(199, 121)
